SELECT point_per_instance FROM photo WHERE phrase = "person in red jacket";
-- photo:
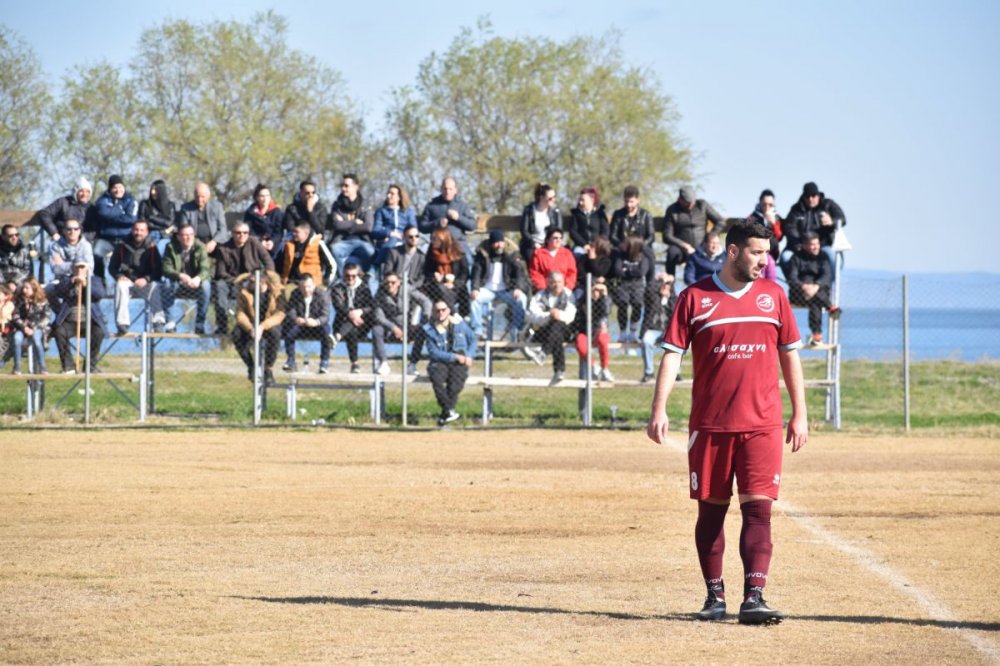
(552, 258)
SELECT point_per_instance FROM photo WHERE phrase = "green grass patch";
(944, 394)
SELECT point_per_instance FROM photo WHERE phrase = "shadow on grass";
(481, 607)
(477, 606)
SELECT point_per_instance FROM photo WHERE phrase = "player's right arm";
(656, 429)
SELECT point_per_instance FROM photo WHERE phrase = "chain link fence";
(361, 351)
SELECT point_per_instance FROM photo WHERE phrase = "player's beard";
(745, 274)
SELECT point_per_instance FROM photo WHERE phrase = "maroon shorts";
(752, 458)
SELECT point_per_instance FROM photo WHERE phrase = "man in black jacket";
(390, 318)
(350, 226)
(685, 224)
(306, 206)
(355, 308)
(71, 207)
(307, 316)
(809, 278)
(498, 275)
(136, 267)
(631, 220)
(816, 213)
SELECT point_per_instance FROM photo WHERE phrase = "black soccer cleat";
(715, 606)
(755, 610)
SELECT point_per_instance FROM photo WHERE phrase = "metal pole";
(256, 348)
(906, 353)
(588, 391)
(404, 373)
(143, 375)
(89, 361)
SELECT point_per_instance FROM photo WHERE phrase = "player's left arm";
(798, 425)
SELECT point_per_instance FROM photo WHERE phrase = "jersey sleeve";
(789, 337)
(677, 337)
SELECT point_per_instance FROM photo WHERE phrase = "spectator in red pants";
(600, 310)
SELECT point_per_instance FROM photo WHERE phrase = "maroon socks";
(755, 543)
(710, 539)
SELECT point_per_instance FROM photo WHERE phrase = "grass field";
(285, 546)
(945, 394)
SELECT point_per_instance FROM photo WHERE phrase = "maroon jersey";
(734, 338)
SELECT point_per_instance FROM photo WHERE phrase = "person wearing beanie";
(813, 212)
(73, 206)
(685, 223)
(498, 273)
(111, 221)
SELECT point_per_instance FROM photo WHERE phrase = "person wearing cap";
(685, 223)
(498, 273)
(73, 206)
(812, 212)
(111, 220)
(65, 326)
(71, 248)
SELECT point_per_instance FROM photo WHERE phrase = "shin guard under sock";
(755, 543)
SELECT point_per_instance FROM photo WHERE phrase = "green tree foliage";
(502, 114)
(227, 102)
(98, 128)
(232, 104)
(24, 100)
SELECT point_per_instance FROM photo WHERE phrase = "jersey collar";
(737, 294)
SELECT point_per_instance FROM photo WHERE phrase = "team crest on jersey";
(705, 302)
(765, 303)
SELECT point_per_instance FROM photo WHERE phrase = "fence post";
(906, 353)
(404, 371)
(257, 407)
(88, 364)
(588, 390)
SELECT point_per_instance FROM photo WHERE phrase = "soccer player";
(739, 328)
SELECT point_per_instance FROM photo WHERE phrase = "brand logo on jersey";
(765, 303)
(777, 479)
(706, 302)
(723, 349)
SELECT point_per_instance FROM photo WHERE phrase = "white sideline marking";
(934, 608)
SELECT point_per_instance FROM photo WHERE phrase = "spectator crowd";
(335, 273)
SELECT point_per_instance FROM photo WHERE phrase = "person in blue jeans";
(30, 321)
(350, 227)
(498, 275)
(391, 220)
(451, 347)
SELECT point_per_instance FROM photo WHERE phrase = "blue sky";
(891, 107)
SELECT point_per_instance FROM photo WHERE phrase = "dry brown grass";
(291, 547)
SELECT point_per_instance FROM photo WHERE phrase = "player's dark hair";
(307, 181)
(541, 189)
(810, 236)
(631, 191)
(741, 232)
(765, 193)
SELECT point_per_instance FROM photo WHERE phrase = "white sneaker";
(596, 370)
(606, 375)
(534, 353)
(170, 327)
(383, 368)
